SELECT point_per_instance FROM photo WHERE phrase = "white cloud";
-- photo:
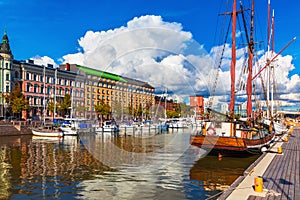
(44, 60)
(164, 55)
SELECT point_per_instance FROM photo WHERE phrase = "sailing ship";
(226, 134)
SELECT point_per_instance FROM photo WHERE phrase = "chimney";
(67, 67)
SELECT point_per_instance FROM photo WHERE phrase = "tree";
(80, 109)
(172, 114)
(65, 105)
(17, 101)
(102, 109)
(50, 106)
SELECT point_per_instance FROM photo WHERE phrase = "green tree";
(102, 109)
(65, 106)
(80, 108)
(50, 107)
(172, 114)
(17, 101)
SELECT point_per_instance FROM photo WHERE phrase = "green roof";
(101, 74)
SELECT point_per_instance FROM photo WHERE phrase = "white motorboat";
(74, 126)
(47, 132)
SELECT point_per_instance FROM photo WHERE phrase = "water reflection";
(217, 174)
(162, 166)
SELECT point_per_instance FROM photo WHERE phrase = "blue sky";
(55, 28)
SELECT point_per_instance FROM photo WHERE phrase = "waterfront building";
(42, 84)
(86, 86)
(6, 60)
(124, 95)
(197, 105)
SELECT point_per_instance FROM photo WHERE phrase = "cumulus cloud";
(164, 55)
(44, 60)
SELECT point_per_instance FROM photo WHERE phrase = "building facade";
(7, 71)
(87, 87)
(197, 105)
(122, 94)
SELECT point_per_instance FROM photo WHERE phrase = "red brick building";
(197, 104)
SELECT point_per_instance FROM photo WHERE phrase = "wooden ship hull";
(230, 143)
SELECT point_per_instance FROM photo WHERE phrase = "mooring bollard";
(279, 150)
(258, 184)
(285, 139)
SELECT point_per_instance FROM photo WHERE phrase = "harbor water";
(97, 166)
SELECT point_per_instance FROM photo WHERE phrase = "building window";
(34, 77)
(42, 89)
(35, 88)
(7, 88)
(28, 87)
(27, 76)
(7, 77)
(6, 65)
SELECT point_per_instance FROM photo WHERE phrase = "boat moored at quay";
(226, 133)
(75, 126)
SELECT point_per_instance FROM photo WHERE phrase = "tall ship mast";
(226, 134)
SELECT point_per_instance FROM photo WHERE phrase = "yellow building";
(124, 95)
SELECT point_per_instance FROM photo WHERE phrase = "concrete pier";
(279, 171)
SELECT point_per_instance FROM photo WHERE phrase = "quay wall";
(15, 128)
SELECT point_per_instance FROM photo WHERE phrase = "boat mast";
(166, 104)
(250, 64)
(233, 60)
(272, 70)
(268, 72)
(55, 76)
(44, 100)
